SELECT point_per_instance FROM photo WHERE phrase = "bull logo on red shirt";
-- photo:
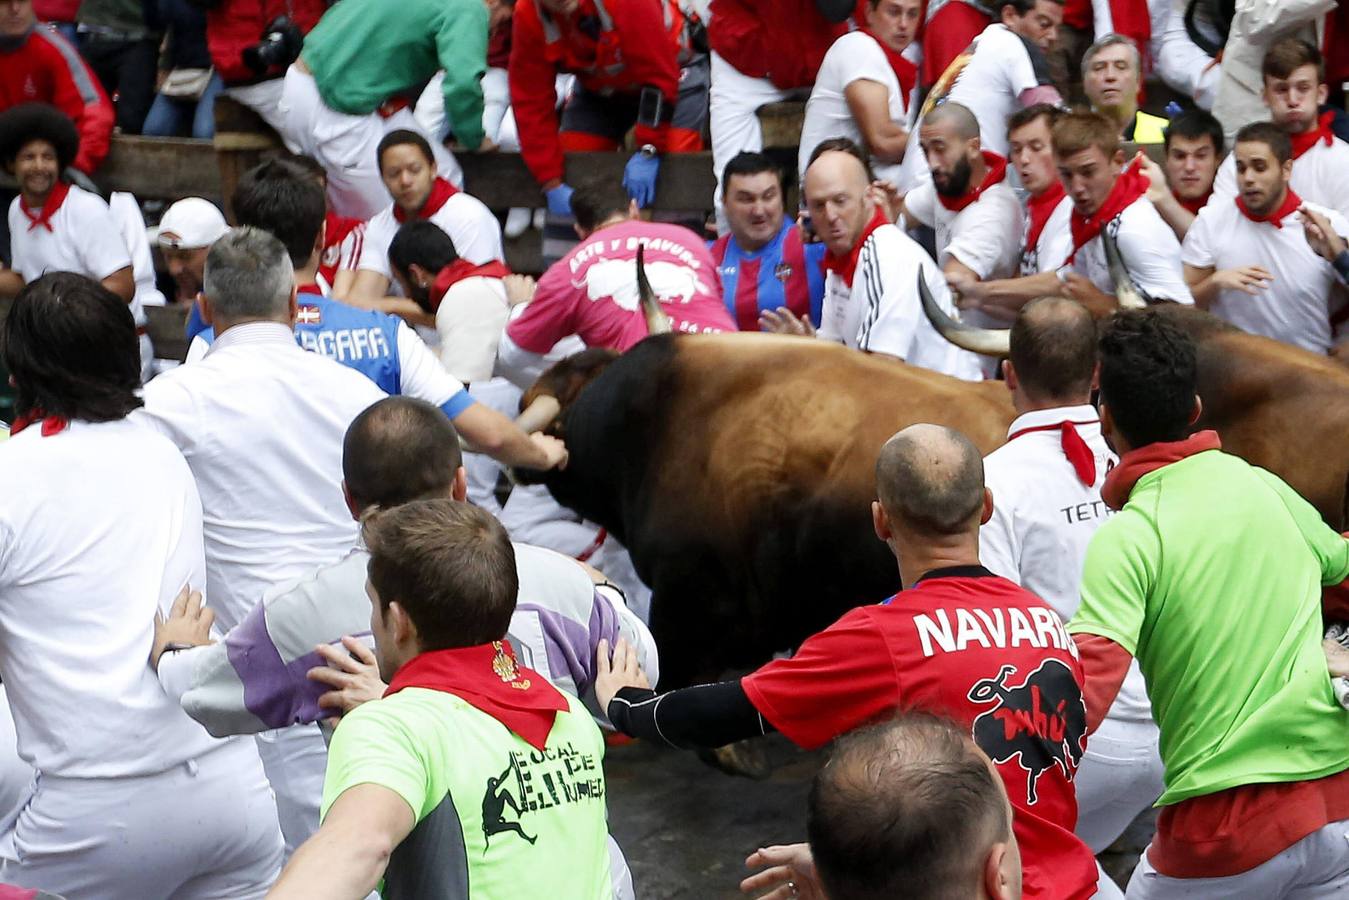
(1041, 723)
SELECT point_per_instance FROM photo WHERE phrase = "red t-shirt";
(980, 650)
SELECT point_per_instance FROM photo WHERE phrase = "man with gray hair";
(957, 640)
(1111, 73)
(260, 422)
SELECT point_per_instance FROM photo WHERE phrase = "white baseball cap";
(190, 224)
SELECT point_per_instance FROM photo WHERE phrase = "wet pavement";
(687, 828)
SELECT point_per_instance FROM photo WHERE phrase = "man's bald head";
(398, 450)
(1053, 350)
(955, 116)
(838, 195)
(931, 479)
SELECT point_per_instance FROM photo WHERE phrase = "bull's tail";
(656, 320)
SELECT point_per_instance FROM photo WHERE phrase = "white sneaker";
(540, 219)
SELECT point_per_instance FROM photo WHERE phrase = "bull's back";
(790, 417)
(1283, 409)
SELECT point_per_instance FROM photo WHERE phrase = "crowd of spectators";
(1038, 165)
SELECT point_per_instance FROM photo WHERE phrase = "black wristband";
(1341, 264)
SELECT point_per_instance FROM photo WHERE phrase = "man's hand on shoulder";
(1080, 288)
(612, 674)
(187, 625)
(351, 671)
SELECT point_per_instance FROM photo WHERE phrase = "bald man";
(970, 645)
(871, 300)
(968, 202)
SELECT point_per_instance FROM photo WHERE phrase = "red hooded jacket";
(232, 26)
(46, 69)
(781, 40)
(640, 48)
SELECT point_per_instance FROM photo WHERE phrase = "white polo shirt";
(1295, 306)
(1319, 176)
(1052, 245)
(261, 422)
(881, 311)
(471, 225)
(1150, 252)
(1044, 518)
(856, 56)
(84, 238)
(100, 526)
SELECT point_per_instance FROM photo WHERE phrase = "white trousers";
(346, 145)
(733, 117)
(202, 830)
(1119, 777)
(295, 760)
(1315, 867)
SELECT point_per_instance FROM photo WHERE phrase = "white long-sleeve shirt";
(261, 422)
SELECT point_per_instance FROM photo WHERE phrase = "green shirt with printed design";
(496, 818)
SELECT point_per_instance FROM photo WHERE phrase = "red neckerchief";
(997, 171)
(311, 289)
(49, 208)
(1309, 138)
(488, 678)
(1129, 186)
(1137, 463)
(1290, 204)
(441, 190)
(50, 424)
(905, 71)
(1193, 205)
(1040, 209)
(1076, 449)
(846, 268)
(460, 269)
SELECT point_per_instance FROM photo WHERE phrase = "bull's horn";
(1126, 292)
(540, 413)
(988, 341)
(656, 320)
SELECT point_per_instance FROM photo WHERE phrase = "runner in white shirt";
(1089, 158)
(1046, 238)
(260, 421)
(968, 203)
(100, 526)
(866, 89)
(1295, 87)
(408, 168)
(1046, 483)
(55, 226)
(1002, 71)
(1248, 260)
(871, 299)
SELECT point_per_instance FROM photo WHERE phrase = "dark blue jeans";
(182, 117)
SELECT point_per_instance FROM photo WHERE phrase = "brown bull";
(738, 471)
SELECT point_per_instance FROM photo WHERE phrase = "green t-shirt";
(496, 818)
(1211, 577)
(362, 52)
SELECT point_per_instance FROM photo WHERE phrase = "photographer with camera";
(358, 76)
(252, 43)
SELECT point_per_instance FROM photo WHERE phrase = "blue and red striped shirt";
(784, 272)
